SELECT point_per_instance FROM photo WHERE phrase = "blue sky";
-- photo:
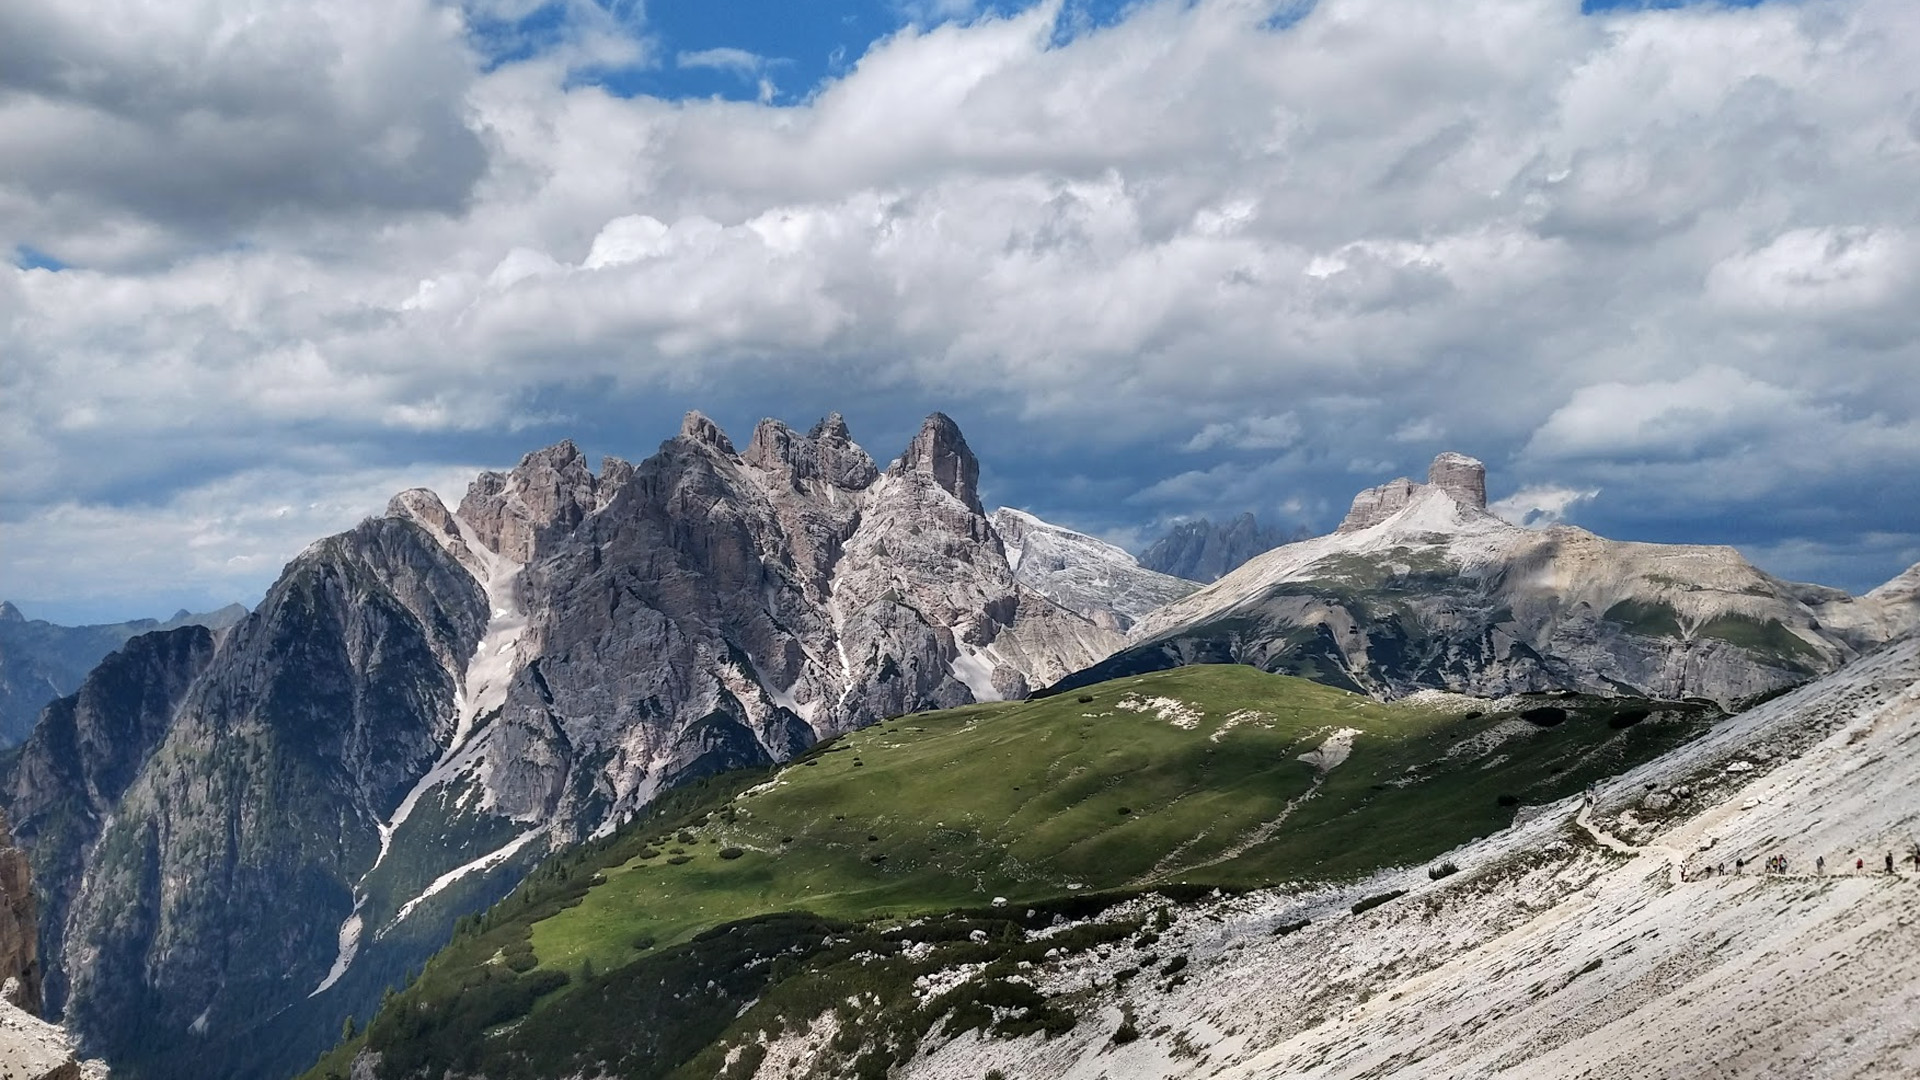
(1656, 264)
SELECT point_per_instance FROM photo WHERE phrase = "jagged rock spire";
(1460, 476)
(941, 452)
(698, 428)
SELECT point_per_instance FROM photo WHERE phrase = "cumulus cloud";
(1540, 506)
(199, 547)
(1249, 433)
(1665, 253)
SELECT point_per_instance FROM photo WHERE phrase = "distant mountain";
(1081, 573)
(244, 837)
(1203, 551)
(40, 661)
(1422, 588)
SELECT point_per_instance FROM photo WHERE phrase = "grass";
(985, 818)
(1025, 801)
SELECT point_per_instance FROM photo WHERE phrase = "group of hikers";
(1777, 864)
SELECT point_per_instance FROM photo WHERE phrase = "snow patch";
(976, 671)
(484, 862)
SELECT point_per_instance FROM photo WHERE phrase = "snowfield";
(1606, 943)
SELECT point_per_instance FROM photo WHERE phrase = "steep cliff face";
(199, 815)
(19, 942)
(1421, 587)
(717, 608)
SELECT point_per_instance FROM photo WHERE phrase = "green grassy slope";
(1185, 777)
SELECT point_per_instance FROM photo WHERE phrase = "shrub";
(679, 860)
(1444, 869)
(1085, 699)
(1290, 927)
(1627, 718)
(732, 852)
(1174, 966)
(1372, 902)
(1126, 810)
(1544, 716)
(649, 853)
(1125, 1033)
(1508, 800)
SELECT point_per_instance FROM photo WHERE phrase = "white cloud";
(1249, 433)
(205, 546)
(1655, 252)
(1540, 506)
(737, 61)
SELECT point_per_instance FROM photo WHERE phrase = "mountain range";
(40, 661)
(242, 836)
(1421, 587)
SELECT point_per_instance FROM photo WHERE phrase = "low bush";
(1372, 902)
(1443, 870)
(679, 860)
(1627, 718)
(732, 852)
(1544, 716)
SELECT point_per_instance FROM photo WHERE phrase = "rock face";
(1204, 551)
(1084, 575)
(40, 661)
(199, 813)
(1422, 588)
(30, 1048)
(243, 838)
(19, 943)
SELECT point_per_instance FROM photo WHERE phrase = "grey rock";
(1204, 551)
(1090, 577)
(1421, 588)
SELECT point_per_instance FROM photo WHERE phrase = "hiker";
(1819, 864)
(1859, 865)
(1739, 865)
(1889, 862)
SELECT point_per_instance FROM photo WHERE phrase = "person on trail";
(1889, 862)
(1859, 865)
(1819, 864)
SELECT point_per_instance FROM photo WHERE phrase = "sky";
(271, 261)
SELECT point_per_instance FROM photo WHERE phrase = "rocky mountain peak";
(939, 451)
(697, 427)
(9, 613)
(550, 488)
(1460, 476)
(827, 452)
(831, 426)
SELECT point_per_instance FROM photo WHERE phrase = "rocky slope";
(242, 838)
(1081, 573)
(1618, 943)
(1422, 588)
(1205, 551)
(41, 661)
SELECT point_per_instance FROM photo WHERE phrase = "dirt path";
(1675, 860)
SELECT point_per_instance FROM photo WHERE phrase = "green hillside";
(1191, 777)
